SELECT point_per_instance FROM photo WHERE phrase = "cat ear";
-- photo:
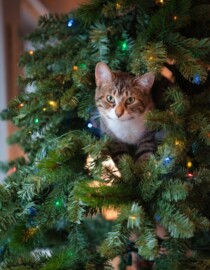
(146, 81)
(103, 74)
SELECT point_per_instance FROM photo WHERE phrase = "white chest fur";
(128, 131)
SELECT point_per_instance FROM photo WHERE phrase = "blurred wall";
(3, 102)
(17, 19)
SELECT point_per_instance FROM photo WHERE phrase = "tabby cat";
(123, 101)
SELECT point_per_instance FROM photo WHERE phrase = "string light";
(31, 211)
(44, 109)
(82, 66)
(89, 125)
(132, 217)
(189, 164)
(196, 79)
(70, 253)
(31, 52)
(118, 6)
(190, 175)
(20, 105)
(2, 250)
(58, 203)
(36, 120)
(149, 174)
(159, 2)
(167, 161)
(29, 233)
(75, 68)
(157, 218)
(177, 143)
(175, 18)
(124, 46)
(52, 103)
(70, 23)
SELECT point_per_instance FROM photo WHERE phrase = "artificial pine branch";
(52, 198)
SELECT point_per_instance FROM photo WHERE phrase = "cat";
(122, 101)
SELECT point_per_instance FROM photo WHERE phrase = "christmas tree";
(54, 199)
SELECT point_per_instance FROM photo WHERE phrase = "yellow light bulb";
(189, 164)
(118, 6)
(132, 217)
(52, 103)
(160, 2)
(75, 68)
(20, 105)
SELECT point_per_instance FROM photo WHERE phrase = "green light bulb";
(82, 66)
(36, 120)
(124, 46)
(70, 253)
(57, 203)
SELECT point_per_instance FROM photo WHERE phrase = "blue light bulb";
(157, 218)
(2, 250)
(32, 212)
(89, 125)
(167, 161)
(196, 79)
(70, 22)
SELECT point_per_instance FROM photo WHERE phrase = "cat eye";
(110, 99)
(130, 100)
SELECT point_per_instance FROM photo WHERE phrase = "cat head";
(120, 95)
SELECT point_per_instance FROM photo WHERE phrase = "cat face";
(120, 96)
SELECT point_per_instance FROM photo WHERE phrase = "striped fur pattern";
(123, 101)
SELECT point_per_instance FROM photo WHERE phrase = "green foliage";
(64, 260)
(98, 193)
(174, 190)
(147, 244)
(136, 217)
(76, 210)
(115, 242)
(154, 56)
(53, 197)
(86, 11)
(99, 41)
(127, 168)
(178, 224)
(164, 20)
(180, 103)
(150, 181)
(69, 101)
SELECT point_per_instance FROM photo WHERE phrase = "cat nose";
(119, 112)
